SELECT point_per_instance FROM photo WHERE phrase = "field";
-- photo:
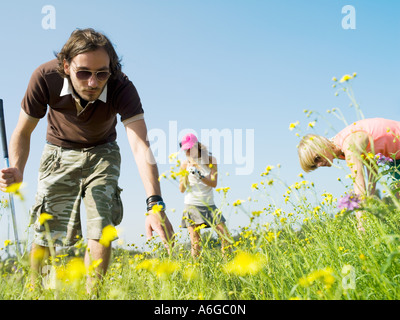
(326, 258)
(310, 248)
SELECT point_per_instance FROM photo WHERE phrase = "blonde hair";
(310, 146)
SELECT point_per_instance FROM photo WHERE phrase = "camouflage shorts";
(66, 176)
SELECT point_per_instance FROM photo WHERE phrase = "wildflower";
(109, 234)
(323, 275)
(345, 78)
(256, 213)
(245, 263)
(7, 243)
(328, 198)
(157, 208)
(73, 271)
(95, 264)
(224, 190)
(198, 228)
(254, 186)
(293, 125)
(190, 274)
(349, 202)
(238, 202)
(334, 79)
(13, 188)
(173, 156)
(381, 159)
(312, 124)
(271, 236)
(267, 170)
(44, 217)
(316, 209)
(166, 268)
(148, 264)
(362, 256)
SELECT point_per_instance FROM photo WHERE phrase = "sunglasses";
(317, 159)
(86, 75)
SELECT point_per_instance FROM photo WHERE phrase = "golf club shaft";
(7, 164)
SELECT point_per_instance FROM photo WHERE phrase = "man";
(84, 89)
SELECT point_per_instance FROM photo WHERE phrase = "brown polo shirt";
(70, 125)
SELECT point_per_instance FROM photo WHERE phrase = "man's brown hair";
(86, 40)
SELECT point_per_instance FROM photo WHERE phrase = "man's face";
(94, 61)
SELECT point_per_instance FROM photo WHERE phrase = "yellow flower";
(73, 271)
(345, 78)
(157, 208)
(109, 234)
(14, 187)
(245, 263)
(166, 268)
(173, 156)
(334, 79)
(323, 275)
(190, 274)
(7, 243)
(224, 190)
(267, 170)
(148, 264)
(202, 226)
(95, 264)
(312, 124)
(238, 202)
(293, 125)
(44, 217)
(256, 213)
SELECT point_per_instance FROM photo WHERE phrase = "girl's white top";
(197, 192)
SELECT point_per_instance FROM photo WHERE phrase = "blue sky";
(215, 65)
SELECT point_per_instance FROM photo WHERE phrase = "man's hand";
(159, 223)
(9, 176)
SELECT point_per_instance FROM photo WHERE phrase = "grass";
(326, 258)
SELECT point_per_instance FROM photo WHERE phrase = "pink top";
(387, 143)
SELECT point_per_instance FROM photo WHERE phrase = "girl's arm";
(354, 146)
(211, 179)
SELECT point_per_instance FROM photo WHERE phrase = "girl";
(199, 199)
(355, 144)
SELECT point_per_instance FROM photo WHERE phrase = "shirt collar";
(67, 89)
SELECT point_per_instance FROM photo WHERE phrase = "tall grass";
(328, 258)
